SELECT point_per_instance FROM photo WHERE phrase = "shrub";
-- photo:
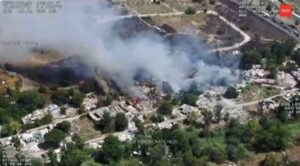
(231, 93)
(190, 11)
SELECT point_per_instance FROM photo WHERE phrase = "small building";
(97, 114)
(186, 109)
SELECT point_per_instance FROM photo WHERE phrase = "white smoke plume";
(81, 28)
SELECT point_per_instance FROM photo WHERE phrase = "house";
(186, 109)
(97, 114)
(40, 113)
(90, 102)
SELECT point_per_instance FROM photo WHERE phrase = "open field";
(207, 26)
(85, 128)
(182, 5)
(182, 23)
(253, 92)
(43, 57)
(9, 81)
(146, 7)
(294, 128)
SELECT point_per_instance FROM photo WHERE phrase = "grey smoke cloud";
(81, 28)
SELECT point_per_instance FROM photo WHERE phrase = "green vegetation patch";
(294, 128)
(253, 92)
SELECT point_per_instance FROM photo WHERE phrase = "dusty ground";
(209, 27)
(146, 7)
(9, 81)
(28, 84)
(182, 5)
(85, 128)
(253, 93)
(43, 57)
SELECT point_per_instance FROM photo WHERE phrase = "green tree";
(165, 108)
(189, 159)
(42, 89)
(157, 153)
(60, 97)
(76, 99)
(112, 148)
(272, 136)
(64, 126)
(252, 57)
(190, 11)
(254, 127)
(90, 163)
(79, 142)
(107, 123)
(108, 100)
(36, 162)
(216, 154)
(73, 156)
(16, 143)
(189, 99)
(5, 116)
(274, 71)
(121, 122)
(31, 100)
(89, 86)
(11, 127)
(282, 113)
(181, 138)
(54, 137)
(52, 158)
(130, 162)
(157, 118)
(236, 152)
(231, 93)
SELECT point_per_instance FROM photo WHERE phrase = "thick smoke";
(86, 28)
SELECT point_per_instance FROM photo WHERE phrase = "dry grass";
(254, 92)
(85, 128)
(146, 7)
(183, 22)
(9, 81)
(181, 5)
(39, 59)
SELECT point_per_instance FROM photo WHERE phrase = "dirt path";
(246, 37)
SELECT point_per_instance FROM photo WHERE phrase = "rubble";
(210, 98)
(40, 113)
(187, 109)
(90, 102)
(256, 72)
(286, 80)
